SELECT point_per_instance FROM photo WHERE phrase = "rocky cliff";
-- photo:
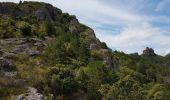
(25, 32)
(149, 52)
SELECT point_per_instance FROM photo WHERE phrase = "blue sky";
(125, 25)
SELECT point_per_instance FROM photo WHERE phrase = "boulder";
(74, 22)
(149, 52)
(43, 14)
(108, 61)
(33, 53)
(90, 36)
(73, 25)
(94, 46)
(31, 94)
(21, 46)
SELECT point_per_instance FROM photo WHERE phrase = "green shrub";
(24, 28)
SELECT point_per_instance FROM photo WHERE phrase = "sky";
(125, 25)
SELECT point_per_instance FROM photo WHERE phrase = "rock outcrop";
(24, 46)
(108, 61)
(31, 94)
(30, 46)
(100, 48)
(73, 25)
(43, 14)
(90, 36)
(149, 52)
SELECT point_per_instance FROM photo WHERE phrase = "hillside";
(46, 54)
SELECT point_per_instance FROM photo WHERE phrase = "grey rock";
(33, 53)
(21, 46)
(43, 14)
(90, 36)
(108, 61)
(32, 94)
(73, 26)
(149, 52)
(94, 46)
(19, 49)
(74, 22)
(10, 74)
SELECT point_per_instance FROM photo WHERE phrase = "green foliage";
(60, 80)
(33, 5)
(156, 91)
(24, 27)
(93, 76)
(150, 72)
(125, 89)
(7, 28)
(67, 49)
(67, 70)
(27, 25)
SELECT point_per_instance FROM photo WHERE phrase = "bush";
(24, 28)
(61, 81)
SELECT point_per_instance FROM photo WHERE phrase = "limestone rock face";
(31, 94)
(48, 13)
(43, 14)
(108, 61)
(73, 25)
(149, 52)
(100, 49)
(74, 22)
(94, 46)
(90, 36)
(24, 46)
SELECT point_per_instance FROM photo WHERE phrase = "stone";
(149, 52)
(43, 14)
(94, 46)
(74, 22)
(10, 74)
(21, 46)
(31, 94)
(73, 25)
(108, 61)
(33, 53)
(90, 36)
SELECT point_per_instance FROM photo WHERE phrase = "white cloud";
(136, 29)
(136, 37)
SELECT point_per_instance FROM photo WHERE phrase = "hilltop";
(37, 38)
(46, 54)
